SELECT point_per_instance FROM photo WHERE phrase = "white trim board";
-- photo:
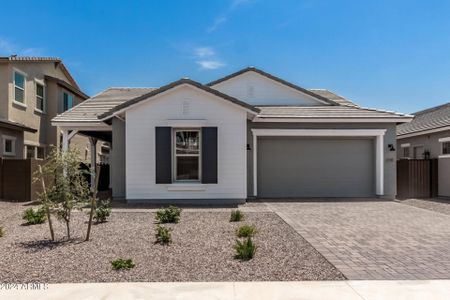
(377, 133)
(264, 119)
(445, 139)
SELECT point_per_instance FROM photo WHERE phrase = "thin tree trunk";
(93, 203)
(47, 210)
(68, 228)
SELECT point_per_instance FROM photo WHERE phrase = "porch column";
(93, 143)
(255, 167)
(379, 150)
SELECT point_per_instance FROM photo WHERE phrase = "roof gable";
(184, 81)
(257, 87)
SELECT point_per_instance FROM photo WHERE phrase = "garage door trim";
(377, 133)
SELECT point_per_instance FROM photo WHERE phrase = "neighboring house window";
(187, 155)
(418, 152)
(67, 101)
(9, 145)
(19, 87)
(30, 151)
(405, 150)
(40, 152)
(446, 148)
(40, 97)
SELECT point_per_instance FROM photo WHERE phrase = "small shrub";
(236, 216)
(170, 214)
(2, 231)
(102, 212)
(122, 264)
(245, 250)
(33, 217)
(163, 235)
(246, 231)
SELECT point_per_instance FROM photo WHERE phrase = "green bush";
(32, 216)
(170, 214)
(236, 216)
(122, 264)
(245, 250)
(2, 231)
(163, 235)
(246, 231)
(102, 212)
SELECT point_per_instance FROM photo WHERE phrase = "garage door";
(315, 167)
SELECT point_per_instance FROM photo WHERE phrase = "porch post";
(93, 142)
(379, 150)
(65, 143)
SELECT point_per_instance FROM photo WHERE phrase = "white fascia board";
(318, 132)
(405, 145)
(83, 126)
(424, 132)
(445, 139)
(330, 120)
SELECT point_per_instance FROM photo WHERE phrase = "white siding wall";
(256, 89)
(141, 121)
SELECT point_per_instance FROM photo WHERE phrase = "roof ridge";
(431, 109)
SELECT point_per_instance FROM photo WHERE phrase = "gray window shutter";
(163, 147)
(209, 155)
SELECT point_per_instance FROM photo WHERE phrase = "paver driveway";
(374, 239)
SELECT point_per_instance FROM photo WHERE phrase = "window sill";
(19, 104)
(444, 156)
(38, 111)
(186, 187)
(9, 154)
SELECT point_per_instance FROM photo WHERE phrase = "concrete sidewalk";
(310, 290)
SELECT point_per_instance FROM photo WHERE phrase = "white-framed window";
(30, 151)
(19, 80)
(9, 145)
(40, 96)
(187, 155)
(67, 101)
(445, 145)
(405, 150)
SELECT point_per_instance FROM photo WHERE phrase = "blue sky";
(388, 54)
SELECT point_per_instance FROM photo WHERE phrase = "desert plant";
(102, 212)
(236, 216)
(245, 250)
(246, 231)
(170, 214)
(33, 216)
(163, 235)
(2, 231)
(69, 189)
(120, 264)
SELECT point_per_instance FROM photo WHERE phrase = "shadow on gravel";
(40, 245)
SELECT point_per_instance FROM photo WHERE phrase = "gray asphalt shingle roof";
(432, 118)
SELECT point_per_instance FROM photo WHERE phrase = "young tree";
(69, 189)
(94, 191)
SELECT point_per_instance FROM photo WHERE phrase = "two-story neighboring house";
(33, 90)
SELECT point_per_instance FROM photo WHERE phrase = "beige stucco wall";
(18, 143)
(47, 134)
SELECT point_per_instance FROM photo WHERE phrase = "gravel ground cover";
(202, 250)
(437, 205)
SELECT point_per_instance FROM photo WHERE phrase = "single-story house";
(247, 135)
(428, 136)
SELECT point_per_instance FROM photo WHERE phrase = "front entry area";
(315, 167)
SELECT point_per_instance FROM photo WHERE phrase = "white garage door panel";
(315, 167)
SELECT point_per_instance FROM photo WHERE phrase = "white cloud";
(223, 17)
(210, 64)
(217, 22)
(204, 51)
(9, 48)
